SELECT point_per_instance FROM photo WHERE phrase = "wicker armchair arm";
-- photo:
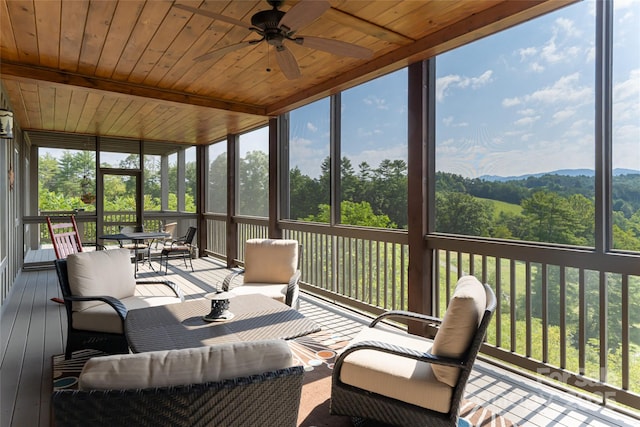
(409, 315)
(292, 288)
(226, 284)
(400, 351)
(293, 281)
(175, 288)
(115, 303)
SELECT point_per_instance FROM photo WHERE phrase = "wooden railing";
(565, 313)
(113, 221)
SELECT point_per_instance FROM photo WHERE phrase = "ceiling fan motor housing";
(267, 19)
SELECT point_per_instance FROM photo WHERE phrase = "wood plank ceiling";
(127, 69)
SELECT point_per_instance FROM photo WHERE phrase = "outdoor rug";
(316, 352)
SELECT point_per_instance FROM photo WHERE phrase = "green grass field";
(505, 207)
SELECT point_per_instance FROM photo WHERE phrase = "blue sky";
(518, 102)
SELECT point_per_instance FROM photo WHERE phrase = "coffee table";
(175, 326)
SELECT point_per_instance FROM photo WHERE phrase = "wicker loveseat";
(238, 384)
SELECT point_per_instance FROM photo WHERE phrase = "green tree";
(359, 214)
(217, 187)
(552, 218)
(389, 195)
(47, 171)
(461, 213)
(305, 195)
(253, 174)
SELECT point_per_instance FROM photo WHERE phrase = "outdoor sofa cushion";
(270, 260)
(100, 273)
(185, 366)
(276, 291)
(105, 273)
(103, 318)
(459, 325)
(395, 376)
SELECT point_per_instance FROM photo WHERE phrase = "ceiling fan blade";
(336, 47)
(287, 62)
(213, 15)
(224, 50)
(303, 13)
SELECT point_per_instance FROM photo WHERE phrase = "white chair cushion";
(270, 260)
(394, 376)
(460, 323)
(186, 366)
(276, 291)
(103, 318)
(100, 273)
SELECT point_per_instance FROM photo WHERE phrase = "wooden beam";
(28, 73)
(474, 27)
(366, 27)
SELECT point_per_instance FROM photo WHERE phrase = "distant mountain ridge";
(565, 172)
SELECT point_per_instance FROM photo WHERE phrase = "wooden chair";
(65, 237)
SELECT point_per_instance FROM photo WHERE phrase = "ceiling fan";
(276, 27)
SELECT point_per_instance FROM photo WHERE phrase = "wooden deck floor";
(33, 329)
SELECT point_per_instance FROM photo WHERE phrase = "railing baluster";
(625, 331)
(544, 297)
(604, 335)
(498, 313)
(513, 302)
(527, 309)
(582, 320)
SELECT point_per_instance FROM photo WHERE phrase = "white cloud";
(443, 83)
(527, 121)
(379, 103)
(462, 82)
(526, 137)
(510, 102)
(565, 90)
(447, 121)
(527, 52)
(536, 67)
(305, 157)
(527, 112)
(312, 127)
(482, 80)
(562, 115)
(374, 157)
(629, 88)
(550, 52)
(566, 25)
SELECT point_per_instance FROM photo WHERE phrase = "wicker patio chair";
(385, 376)
(98, 289)
(271, 268)
(197, 389)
